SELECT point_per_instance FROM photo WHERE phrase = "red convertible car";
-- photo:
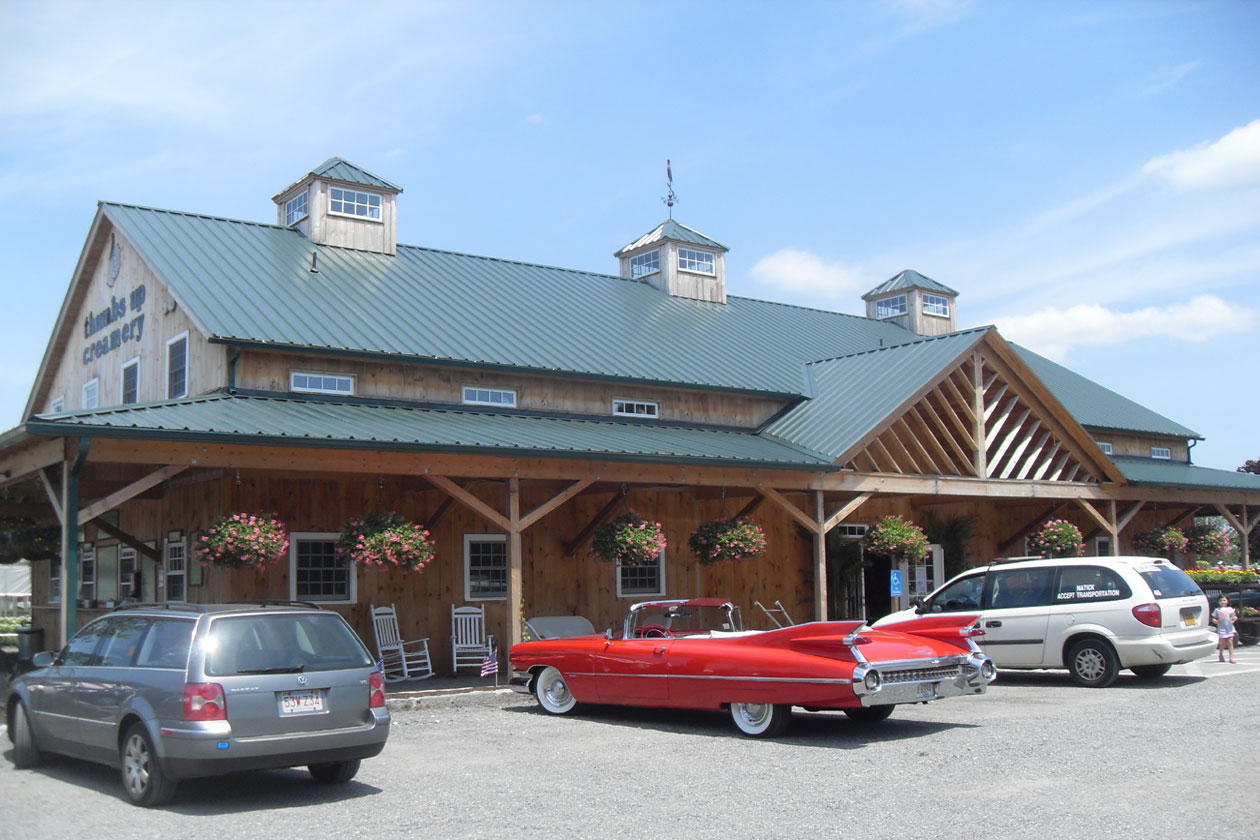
(693, 654)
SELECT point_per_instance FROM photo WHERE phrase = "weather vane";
(669, 198)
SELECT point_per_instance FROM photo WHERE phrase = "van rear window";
(1169, 582)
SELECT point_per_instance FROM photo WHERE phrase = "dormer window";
(321, 383)
(295, 209)
(891, 307)
(361, 205)
(690, 259)
(936, 305)
(1163, 453)
(636, 408)
(501, 397)
(1104, 446)
(645, 264)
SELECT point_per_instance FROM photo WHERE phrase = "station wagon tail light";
(204, 701)
(376, 690)
(1148, 614)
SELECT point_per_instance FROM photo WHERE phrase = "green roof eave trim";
(1148, 472)
(350, 353)
(53, 429)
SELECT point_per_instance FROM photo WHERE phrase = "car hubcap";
(1089, 664)
(136, 766)
(754, 715)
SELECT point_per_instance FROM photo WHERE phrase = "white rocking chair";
(470, 646)
(400, 660)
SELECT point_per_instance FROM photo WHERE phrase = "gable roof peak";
(340, 169)
(678, 232)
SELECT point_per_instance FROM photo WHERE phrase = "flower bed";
(1217, 578)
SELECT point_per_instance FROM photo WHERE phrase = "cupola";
(676, 259)
(915, 302)
(340, 204)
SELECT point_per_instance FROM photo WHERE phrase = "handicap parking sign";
(894, 583)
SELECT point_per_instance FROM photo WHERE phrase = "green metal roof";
(1097, 407)
(251, 283)
(908, 279)
(855, 394)
(339, 169)
(669, 229)
(297, 422)
(1147, 471)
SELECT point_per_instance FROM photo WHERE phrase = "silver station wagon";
(176, 691)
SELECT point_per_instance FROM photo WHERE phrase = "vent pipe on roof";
(314, 263)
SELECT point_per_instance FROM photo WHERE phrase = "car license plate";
(925, 691)
(301, 702)
(1188, 617)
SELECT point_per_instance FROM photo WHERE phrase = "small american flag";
(491, 665)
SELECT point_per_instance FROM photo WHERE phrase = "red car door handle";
(658, 651)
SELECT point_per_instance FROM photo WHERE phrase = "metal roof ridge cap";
(193, 215)
(921, 340)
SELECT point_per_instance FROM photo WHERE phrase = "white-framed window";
(316, 573)
(642, 265)
(689, 259)
(635, 408)
(87, 572)
(502, 397)
(54, 581)
(361, 205)
(176, 567)
(851, 531)
(1102, 546)
(1161, 452)
(485, 567)
(637, 581)
(295, 209)
(936, 305)
(321, 383)
(127, 574)
(891, 307)
(57, 405)
(130, 385)
(1104, 446)
(177, 366)
(91, 393)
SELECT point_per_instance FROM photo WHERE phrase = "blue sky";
(1086, 174)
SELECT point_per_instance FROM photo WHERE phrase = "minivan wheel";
(25, 749)
(143, 778)
(1150, 672)
(334, 772)
(1093, 663)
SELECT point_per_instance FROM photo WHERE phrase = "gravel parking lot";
(1035, 757)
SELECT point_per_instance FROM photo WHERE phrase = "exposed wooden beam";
(962, 459)
(747, 509)
(53, 493)
(470, 501)
(127, 493)
(1029, 527)
(820, 560)
(1123, 521)
(843, 513)
(590, 527)
(796, 513)
(129, 540)
(978, 413)
(1102, 521)
(1237, 524)
(432, 522)
(515, 562)
(554, 502)
(32, 458)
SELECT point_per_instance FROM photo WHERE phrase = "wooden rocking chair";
(400, 660)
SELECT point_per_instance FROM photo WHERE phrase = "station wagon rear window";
(1168, 582)
(282, 644)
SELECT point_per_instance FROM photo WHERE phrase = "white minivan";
(1091, 615)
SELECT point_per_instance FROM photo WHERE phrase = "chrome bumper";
(922, 680)
(520, 682)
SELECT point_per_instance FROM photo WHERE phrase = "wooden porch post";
(514, 563)
(820, 559)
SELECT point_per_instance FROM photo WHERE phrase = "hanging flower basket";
(725, 540)
(1161, 542)
(897, 538)
(628, 539)
(244, 541)
(1206, 543)
(386, 540)
(1057, 538)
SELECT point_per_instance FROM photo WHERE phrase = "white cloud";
(1055, 332)
(801, 271)
(1231, 161)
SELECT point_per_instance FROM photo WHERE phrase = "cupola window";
(936, 305)
(354, 203)
(891, 307)
(295, 209)
(690, 259)
(645, 264)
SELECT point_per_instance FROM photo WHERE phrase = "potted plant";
(628, 539)
(386, 540)
(244, 541)
(725, 540)
(1160, 542)
(1057, 538)
(1206, 542)
(897, 538)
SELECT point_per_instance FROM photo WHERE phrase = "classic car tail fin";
(956, 628)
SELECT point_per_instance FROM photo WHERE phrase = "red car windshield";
(683, 619)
